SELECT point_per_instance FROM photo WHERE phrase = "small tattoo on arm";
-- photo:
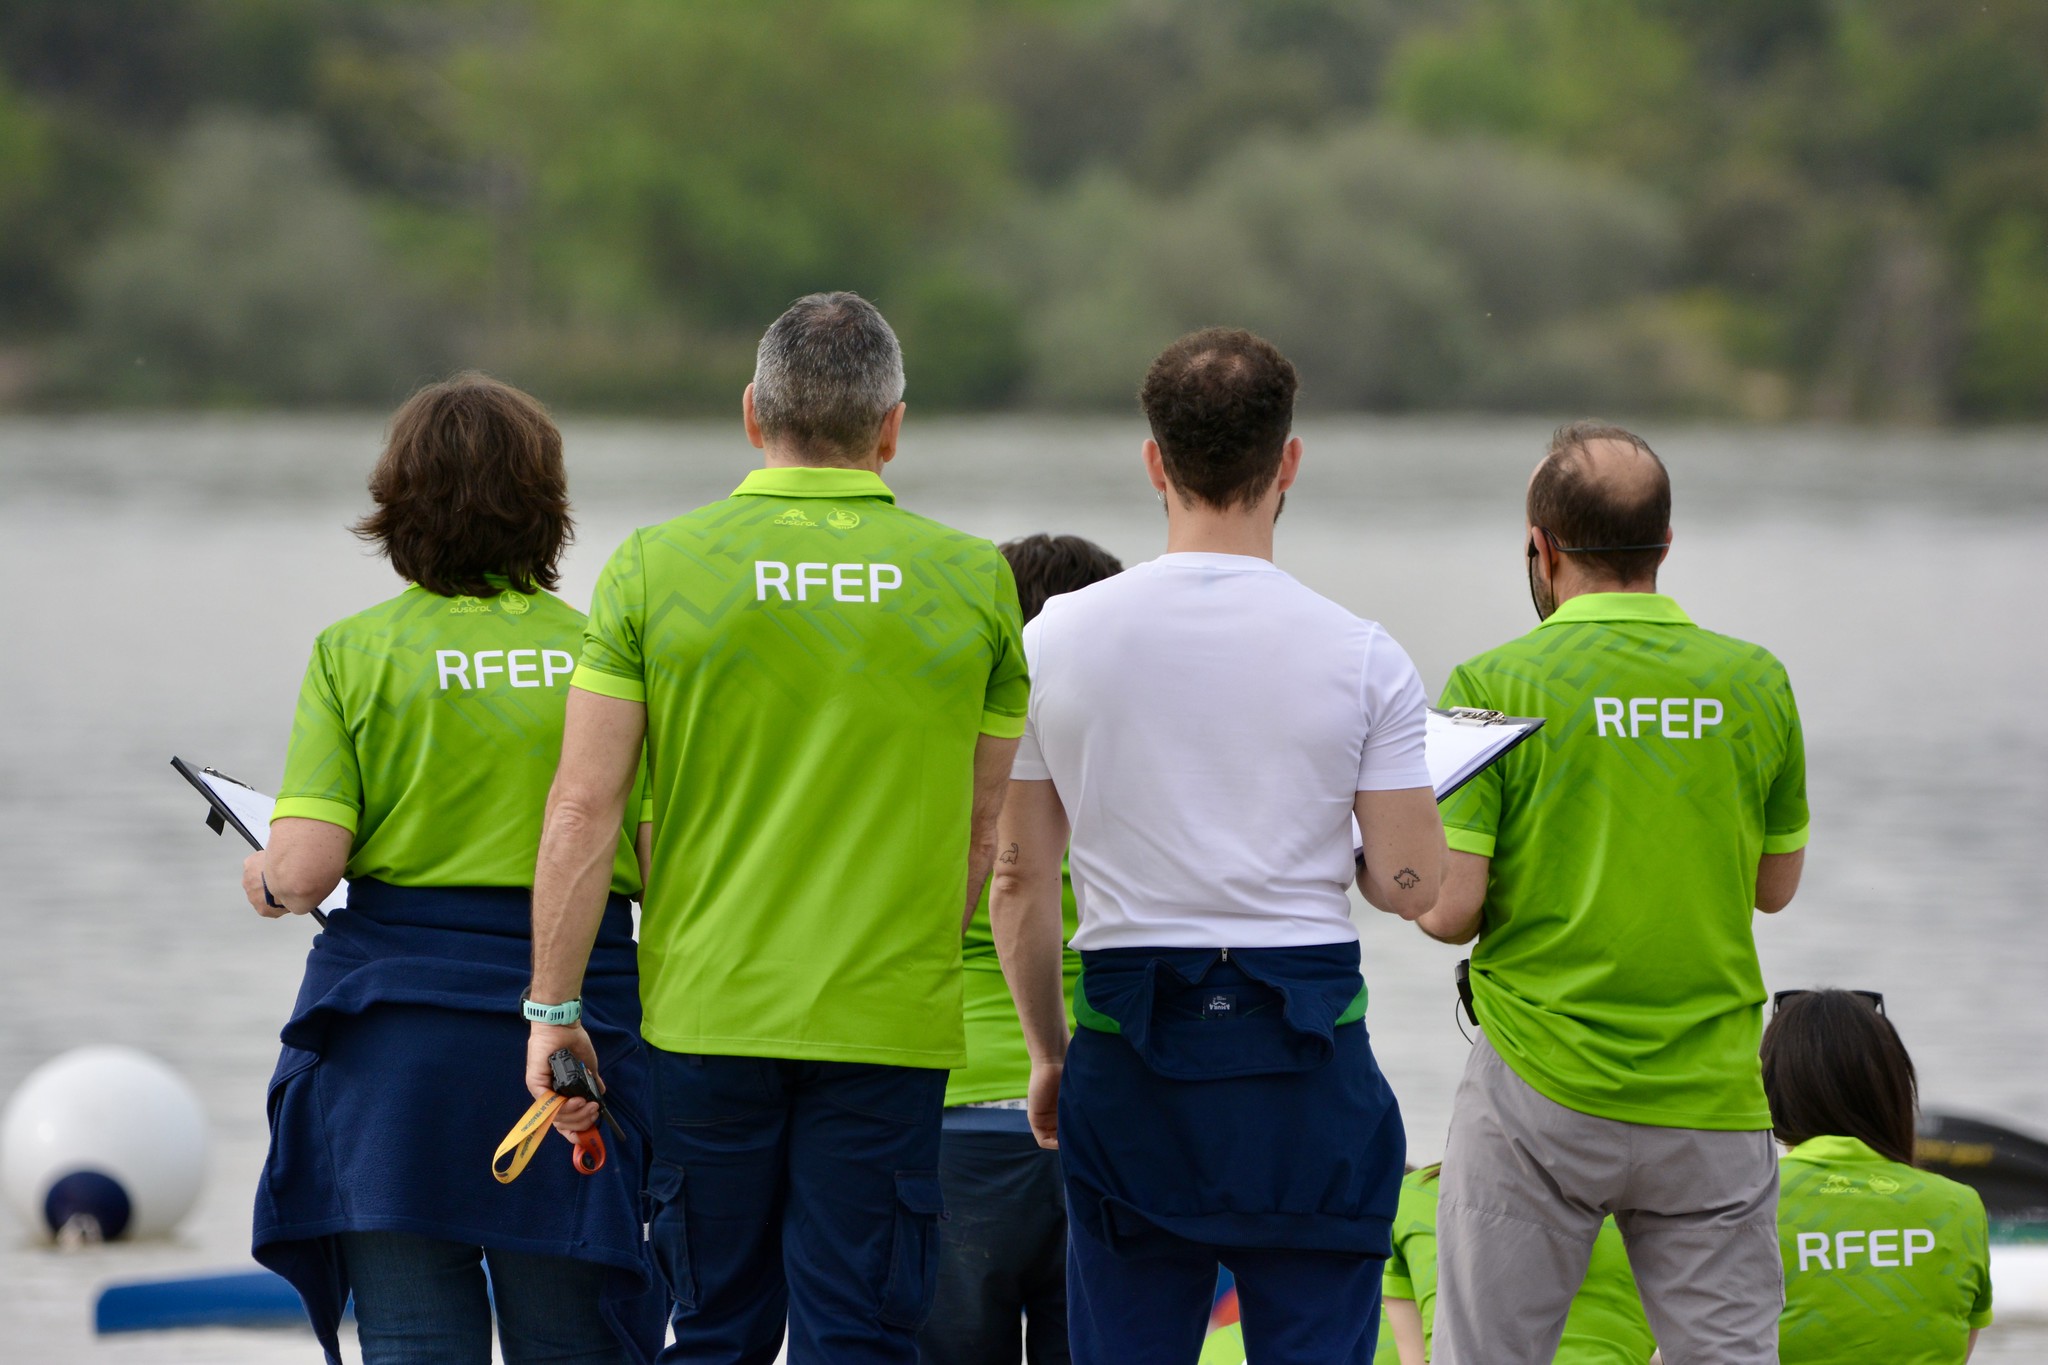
(1406, 879)
(1009, 855)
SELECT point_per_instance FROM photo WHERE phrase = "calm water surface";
(166, 578)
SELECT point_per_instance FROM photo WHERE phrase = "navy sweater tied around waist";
(1229, 1100)
(401, 1070)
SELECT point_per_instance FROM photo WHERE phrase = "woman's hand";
(544, 1042)
(252, 886)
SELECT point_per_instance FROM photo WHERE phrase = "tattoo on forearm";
(1008, 855)
(1407, 879)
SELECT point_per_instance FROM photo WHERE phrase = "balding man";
(1608, 869)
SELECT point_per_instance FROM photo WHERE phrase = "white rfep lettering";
(855, 581)
(1813, 1246)
(1843, 1251)
(1919, 1241)
(1671, 717)
(1884, 1246)
(1879, 1247)
(453, 663)
(518, 667)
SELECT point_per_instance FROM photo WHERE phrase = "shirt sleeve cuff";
(1979, 1321)
(647, 811)
(1786, 843)
(608, 684)
(1469, 841)
(1396, 1287)
(996, 725)
(1401, 779)
(318, 808)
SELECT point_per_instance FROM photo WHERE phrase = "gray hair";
(828, 371)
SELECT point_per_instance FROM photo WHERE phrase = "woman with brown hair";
(427, 733)
(1882, 1261)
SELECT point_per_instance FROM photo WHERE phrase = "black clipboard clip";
(218, 814)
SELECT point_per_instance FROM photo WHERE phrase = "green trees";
(1772, 208)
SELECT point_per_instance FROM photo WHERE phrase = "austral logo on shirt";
(794, 517)
(469, 606)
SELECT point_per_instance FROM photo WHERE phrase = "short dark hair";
(826, 373)
(1047, 566)
(471, 483)
(1221, 404)
(1834, 1067)
(1583, 513)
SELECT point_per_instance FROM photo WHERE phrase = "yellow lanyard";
(524, 1139)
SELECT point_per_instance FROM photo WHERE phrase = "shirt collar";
(1618, 606)
(1207, 559)
(813, 481)
(1833, 1148)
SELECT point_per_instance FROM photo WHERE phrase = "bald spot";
(1615, 472)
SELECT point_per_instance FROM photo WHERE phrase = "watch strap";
(562, 1015)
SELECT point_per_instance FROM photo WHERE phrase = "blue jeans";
(424, 1301)
(1152, 1308)
(798, 1192)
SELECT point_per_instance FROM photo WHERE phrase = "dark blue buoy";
(84, 1195)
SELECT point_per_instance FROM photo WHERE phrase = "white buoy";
(102, 1142)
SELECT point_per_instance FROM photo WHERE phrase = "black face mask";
(1544, 603)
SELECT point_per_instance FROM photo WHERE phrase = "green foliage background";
(1770, 209)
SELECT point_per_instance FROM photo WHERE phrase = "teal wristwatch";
(562, 1015)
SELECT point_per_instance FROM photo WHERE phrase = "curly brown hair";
(471, 483)
(1221, 404)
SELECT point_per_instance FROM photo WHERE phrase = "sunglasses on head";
(1874, 999)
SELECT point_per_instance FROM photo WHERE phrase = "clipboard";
(1462, 742)
(231, 801)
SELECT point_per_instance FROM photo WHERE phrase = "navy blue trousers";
(1002, 1251)
(798, 1192)
(1152, 1308)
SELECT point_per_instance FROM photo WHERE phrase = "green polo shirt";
(998, 1064)
(1616, 969)
(429, 727)
(1882, 1261)
(817, 664)
(1605, 1326)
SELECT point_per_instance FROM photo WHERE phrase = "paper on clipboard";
(1460, 742)
(248, 810)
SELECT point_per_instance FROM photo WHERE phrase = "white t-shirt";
(1207, 722)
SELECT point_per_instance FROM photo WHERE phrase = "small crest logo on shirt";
(469, 606)
(1883, 1184)
(1837, 1184)
(515, 604)
(794, 517)
(840, 519)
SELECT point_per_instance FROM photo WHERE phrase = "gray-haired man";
(830, 690)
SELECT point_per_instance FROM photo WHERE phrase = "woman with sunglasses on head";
(1882, 1261)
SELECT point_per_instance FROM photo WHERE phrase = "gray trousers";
(1526, 1183)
